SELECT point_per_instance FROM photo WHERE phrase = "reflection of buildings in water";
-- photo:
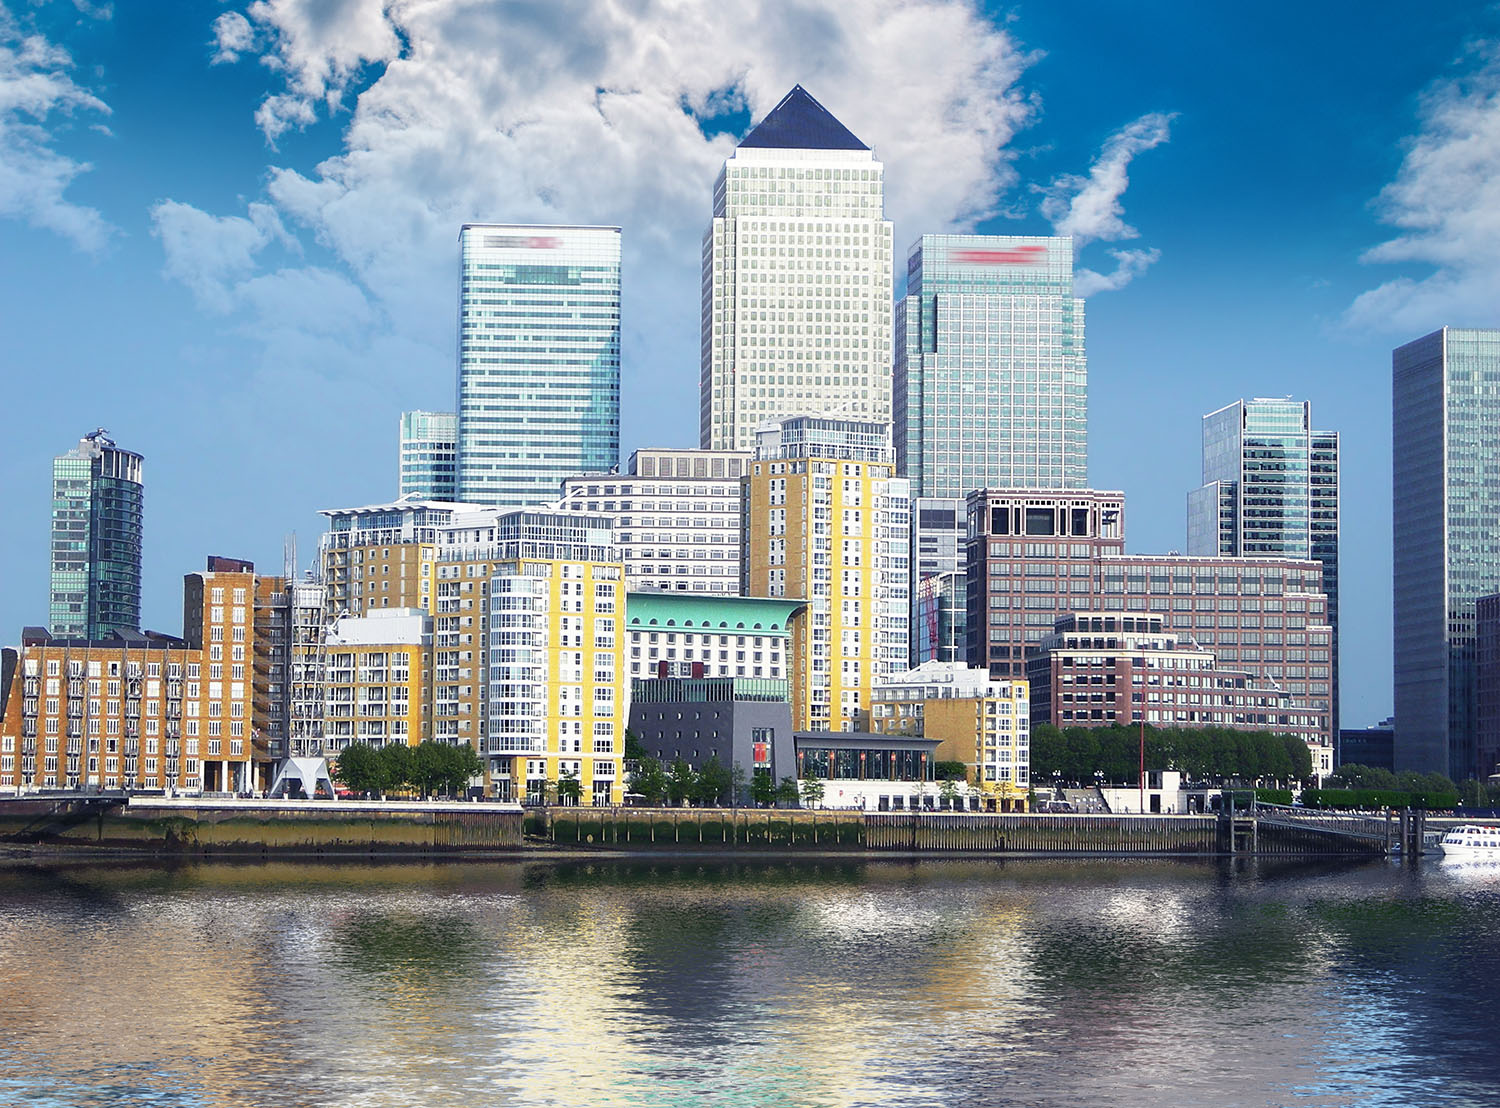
(167, 987)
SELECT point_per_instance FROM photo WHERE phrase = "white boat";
(1472, 842)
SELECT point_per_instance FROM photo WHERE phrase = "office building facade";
(796, 295)
(97, 524)
(939, 580)
(538, 359)
(676, 516)
(1035, 557)
(990, 374)
(1445, 430)
(1111, 669)
(1270, 489)
(429, 449)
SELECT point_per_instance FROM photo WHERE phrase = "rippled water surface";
(809, 983)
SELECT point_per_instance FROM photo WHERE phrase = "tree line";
(429, 769)
(1084, 755)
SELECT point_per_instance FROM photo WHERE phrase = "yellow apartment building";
(978, 720)
(826, 518)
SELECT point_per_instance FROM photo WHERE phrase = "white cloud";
(1129, 264)
(233, 36)
(1445, 201)
(1089, 208)
(573, 111)
(35, 91)
(212, 254)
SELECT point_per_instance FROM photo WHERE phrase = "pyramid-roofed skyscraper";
(796, 310)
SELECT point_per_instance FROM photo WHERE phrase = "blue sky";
(228, 232)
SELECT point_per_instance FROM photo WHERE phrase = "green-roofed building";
(705, 635)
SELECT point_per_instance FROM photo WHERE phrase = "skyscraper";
(97, 504)
(538, 359)
(796, 314)
(1271, 490)
(1445, 432)
(990, 373)
(429, 442)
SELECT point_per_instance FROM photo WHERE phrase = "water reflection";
(670, 983)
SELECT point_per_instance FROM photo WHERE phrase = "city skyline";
(250, 287)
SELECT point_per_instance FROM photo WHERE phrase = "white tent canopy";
(307, 773)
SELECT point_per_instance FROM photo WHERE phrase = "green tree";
(395, 767)
(950, 771)
(737, 784)
(714, 782)
(681, 781)
(634, 751)
(650, 780)
(948, 790)
(786, 791)
(812, 791)
(569, 788)
(358, 768)
(763, 788)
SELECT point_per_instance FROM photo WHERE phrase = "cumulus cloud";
(1089, 208)
(1445, 202)
(1129, 264)
(37, 95)
(233, 36)
(590, 111)
(213, 254)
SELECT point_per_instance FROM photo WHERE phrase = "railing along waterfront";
(1352, 832)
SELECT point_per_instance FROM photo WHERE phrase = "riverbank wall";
(208, 826)
(224, 826)
(832, 829)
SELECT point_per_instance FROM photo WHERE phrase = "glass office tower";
(796, 296)
(538, 359)
(429, 443)
(1445, 439)
(1271, 490)
(990, 375)
(97, 508)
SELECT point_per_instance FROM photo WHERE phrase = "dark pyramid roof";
(800, 123)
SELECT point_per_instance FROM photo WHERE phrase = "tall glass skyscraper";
(97, 507)
(538, 359)
(796, 309)
(429, 443)
(990, 373)
(1270, 490)
(1445, 432)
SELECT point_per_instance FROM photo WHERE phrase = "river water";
(821, 983)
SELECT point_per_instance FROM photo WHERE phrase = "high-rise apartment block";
(990, 372)
(1445, 503)
(557, 685)
(828, 521)
(796, 308)
(538, 359)
(1271, 489)
(97, 510)
(676, 516)
(429, 450)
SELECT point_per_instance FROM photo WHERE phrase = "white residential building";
(676, 514)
